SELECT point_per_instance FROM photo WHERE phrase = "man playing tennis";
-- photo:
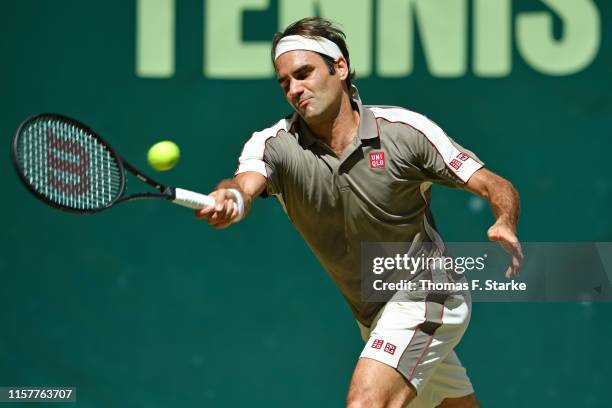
(346, 173)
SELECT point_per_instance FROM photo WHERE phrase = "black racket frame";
(167, 193)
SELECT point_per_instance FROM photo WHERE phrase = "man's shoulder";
(283, 125)
(404, 120)
(273, 138)
(264, 137)
(398, 114)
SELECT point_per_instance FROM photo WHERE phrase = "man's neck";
(338, 133)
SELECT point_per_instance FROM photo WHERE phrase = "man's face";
(313, 92)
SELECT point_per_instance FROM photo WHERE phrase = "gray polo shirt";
(378, 190)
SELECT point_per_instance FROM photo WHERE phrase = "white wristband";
(239, 202)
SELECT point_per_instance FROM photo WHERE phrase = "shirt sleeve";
(441, 159)
(259, 156)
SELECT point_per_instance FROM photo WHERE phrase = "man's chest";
(366, 179)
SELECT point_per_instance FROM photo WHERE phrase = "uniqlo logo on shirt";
(455, 164)
(377, 160)
(463, 156)
(390, 348)
(377, 344)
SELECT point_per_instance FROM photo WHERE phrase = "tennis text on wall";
(456, 37)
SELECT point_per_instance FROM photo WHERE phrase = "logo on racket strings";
(68, 165)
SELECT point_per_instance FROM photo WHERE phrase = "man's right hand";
(223, 212)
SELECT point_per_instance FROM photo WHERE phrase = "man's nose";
(295, 90)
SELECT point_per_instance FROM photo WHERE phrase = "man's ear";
(342, 68)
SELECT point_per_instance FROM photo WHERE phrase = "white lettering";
(492, 38)
(578, 45)
(442, 27)
(377, 268)
(155, 32)
(355, 17)
(225, 54)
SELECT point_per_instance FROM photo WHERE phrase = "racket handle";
(192, 200)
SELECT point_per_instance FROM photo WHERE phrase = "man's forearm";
(505, 201)
(499, 192)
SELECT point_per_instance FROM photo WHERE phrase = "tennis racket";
(68, 166)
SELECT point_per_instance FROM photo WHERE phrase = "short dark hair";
(318, 27)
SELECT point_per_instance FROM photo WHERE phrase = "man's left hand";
(504, 233)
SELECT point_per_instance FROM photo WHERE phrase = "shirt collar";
(368, 128)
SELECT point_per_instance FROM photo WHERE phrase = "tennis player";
(346, 173)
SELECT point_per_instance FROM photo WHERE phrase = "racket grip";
(192, 200)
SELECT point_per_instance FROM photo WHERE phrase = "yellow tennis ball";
(163, 155)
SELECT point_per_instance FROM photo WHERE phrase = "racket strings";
(68, 165)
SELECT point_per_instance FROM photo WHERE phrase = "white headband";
(297, 42)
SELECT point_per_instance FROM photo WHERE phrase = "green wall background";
(144, 306)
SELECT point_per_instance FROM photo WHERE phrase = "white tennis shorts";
(417, 339)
